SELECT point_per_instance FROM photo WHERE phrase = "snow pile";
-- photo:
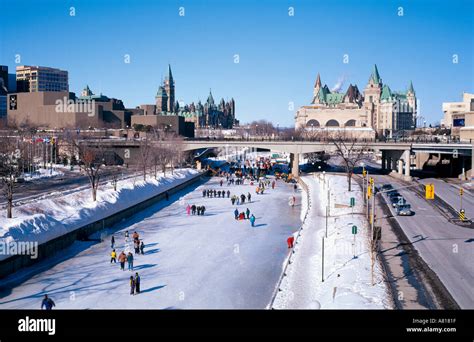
(49, 218)
(347, 280)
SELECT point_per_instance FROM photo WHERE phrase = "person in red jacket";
(290, 241)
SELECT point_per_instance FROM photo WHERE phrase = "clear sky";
(279, 55)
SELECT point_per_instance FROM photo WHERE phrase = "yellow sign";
(371, 181)
(364, 172)
(429, 191)
(369, 192)
(462, 215)
(461, 191)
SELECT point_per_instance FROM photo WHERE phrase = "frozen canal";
(210, 261)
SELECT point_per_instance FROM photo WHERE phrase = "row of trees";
(158, 151)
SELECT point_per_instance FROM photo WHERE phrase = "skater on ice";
(137, 283)
(113, 257)
(132, 286)
(47, 303)
(122, 258)
(252, 220)
(130, 261)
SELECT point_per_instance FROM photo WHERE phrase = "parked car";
(387, 187)
(404, 210)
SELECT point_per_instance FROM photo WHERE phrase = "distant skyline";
(279, 55)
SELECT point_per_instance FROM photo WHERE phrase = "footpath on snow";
(347, 279)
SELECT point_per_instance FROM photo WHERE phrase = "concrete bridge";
(396, 156)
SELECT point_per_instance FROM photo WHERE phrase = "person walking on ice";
(113, 257)
(47, 303)
(122, 258)
(248, 213)
(132, 286)
(112, 242)
(252, 220)
(130, 261)
(290, 241)
(188, 209)
(142, 247)
(137, 283)
(236, 213)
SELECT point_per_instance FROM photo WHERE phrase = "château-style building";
(377, 108)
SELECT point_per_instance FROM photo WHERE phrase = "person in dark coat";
(130, 261)
(215, 193)
(193, 209)
(228, 193)
(137, 283)
(236, 214)
(249, 197)
(248, 213)
(242, 198)
(112, 241)
(136, 245)
(47, 303)
(132, 286)
(203, 209)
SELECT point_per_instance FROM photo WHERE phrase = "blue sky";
(279, 55)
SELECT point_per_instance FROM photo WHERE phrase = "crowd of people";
(127, 257)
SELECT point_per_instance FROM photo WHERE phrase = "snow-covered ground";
(42, 173)
(47, 219)
(347, 280)
(210, 261)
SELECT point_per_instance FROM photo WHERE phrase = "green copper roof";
(334, 98)
(386, 93)
(375, 75)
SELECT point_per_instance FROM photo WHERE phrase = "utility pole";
(327, 214)
(373, 206)
(322, 264)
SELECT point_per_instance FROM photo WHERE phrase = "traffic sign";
(354, 230)
(462, 215)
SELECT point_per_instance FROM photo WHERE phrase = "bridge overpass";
(395, 155)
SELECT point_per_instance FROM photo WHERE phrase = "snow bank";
(347, 280)
(47, 219)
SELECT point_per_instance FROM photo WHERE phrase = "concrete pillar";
(406, 157)
(400, 167)
(384, 160)
(295, 165)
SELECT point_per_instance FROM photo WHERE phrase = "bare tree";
(91, 160)
(11, 165)
(145, 148)
(351, 154)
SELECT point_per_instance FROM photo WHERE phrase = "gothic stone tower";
(161, 100)
(169, 89)
(372, 98)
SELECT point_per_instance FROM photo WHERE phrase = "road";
(448, 249)
(51, 186)
(210, 261)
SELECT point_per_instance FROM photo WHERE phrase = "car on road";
(393, 194)
(387, 187)
(397, 201)
(404, 210)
